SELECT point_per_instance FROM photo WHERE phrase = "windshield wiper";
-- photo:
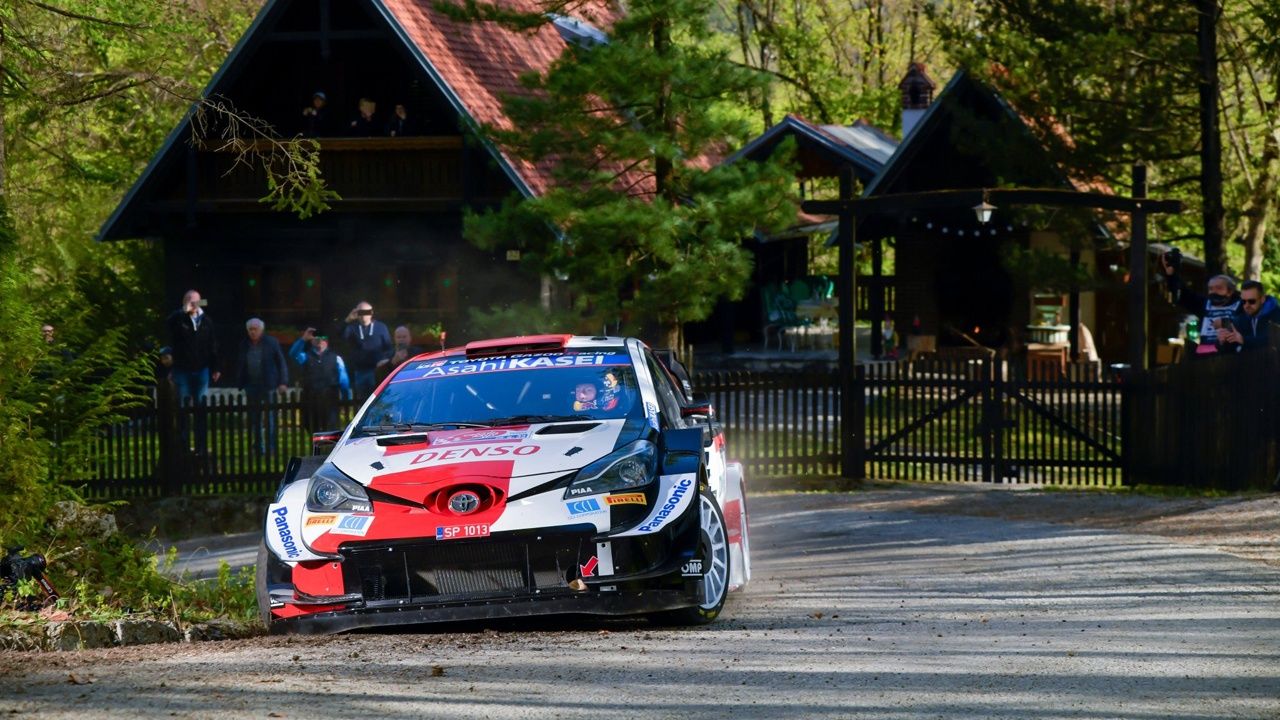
(530, 419)
(416, 427)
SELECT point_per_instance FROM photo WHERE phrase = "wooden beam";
(937, 199)
(1138, 274)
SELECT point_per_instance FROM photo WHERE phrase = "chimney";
(917, 93)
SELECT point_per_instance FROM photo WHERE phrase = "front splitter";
(585, 603)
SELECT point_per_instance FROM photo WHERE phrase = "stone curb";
(86, 635)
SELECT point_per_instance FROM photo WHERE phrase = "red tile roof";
(480, 63)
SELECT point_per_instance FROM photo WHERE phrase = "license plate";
(462, 532)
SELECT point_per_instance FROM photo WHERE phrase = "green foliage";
(53, 399)
(1105, 85)
(643, 223)
(516, 320)
(834, 61)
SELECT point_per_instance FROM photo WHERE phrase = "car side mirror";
(322, 442)
(681, 450)
(699, 406)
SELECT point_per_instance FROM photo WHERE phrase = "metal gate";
(986, 420)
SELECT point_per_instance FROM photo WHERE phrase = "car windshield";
(505, 390)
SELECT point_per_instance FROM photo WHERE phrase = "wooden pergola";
(849, 208)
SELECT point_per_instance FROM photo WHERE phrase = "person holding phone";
(1250, 328)
(195, 361)
(324, 380)
(1215, 309)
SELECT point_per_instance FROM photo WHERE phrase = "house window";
(282, 293)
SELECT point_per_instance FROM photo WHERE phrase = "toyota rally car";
(522, 476)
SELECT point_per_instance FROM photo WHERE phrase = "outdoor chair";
(782, 317)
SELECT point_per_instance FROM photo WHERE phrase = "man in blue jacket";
(1252, 324)
(261, 372)
(324, 376)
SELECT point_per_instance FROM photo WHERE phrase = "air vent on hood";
(402, 440)
(569, 429)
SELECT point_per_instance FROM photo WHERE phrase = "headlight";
(629, 467)
(331, 491)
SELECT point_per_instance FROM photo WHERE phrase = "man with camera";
(1215, 309)
(324, 376)
(368, 344)
(195, 359)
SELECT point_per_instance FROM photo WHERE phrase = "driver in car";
(584, 397)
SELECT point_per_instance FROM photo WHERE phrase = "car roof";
(528, 344)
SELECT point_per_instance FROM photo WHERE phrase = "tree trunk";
(662, 166)
(1261, 202)
(1215, 252)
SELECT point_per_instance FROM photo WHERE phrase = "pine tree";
(646, 224)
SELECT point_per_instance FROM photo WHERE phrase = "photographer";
(324, 379)
(1215, 310)
(195, 359)
(367, 343)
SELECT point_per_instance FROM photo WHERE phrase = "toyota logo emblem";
(464, 502)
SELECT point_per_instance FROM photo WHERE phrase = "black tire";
(260, 576)
(711, 526)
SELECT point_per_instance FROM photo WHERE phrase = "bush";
(53, 400)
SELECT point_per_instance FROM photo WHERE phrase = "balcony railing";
(380, 170)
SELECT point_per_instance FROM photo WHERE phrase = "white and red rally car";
(521, 476)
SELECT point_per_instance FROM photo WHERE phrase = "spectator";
(324, 376)
(1252, 325)
(315, 116)
(164, 367)
(46, 331)
(1214, 309)
(365, 124)
(368, 344)
(403, 350)
(400, 124)
(195, 360)
(261, 371)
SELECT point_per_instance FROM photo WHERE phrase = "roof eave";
(108, 230)
(791, 123)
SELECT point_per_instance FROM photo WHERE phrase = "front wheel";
(260, 585)
(713, 548)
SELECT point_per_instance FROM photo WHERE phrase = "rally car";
(521, 476)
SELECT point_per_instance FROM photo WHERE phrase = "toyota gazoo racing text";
(531, 475)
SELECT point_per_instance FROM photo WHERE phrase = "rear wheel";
(713, 548)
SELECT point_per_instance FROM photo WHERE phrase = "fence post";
(858, 433)
(1128, 407)
(171, 443)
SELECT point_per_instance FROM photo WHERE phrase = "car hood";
(450, 456)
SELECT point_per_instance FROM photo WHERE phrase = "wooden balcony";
(411, 172)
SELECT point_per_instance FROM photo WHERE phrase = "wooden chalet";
(783, 255)
(958, 279)
(395, 235)
(952, 279)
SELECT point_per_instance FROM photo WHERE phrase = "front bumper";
(549, 571)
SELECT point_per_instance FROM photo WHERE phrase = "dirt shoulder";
(1245, 526)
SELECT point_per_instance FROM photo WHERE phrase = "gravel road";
(860, 607)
